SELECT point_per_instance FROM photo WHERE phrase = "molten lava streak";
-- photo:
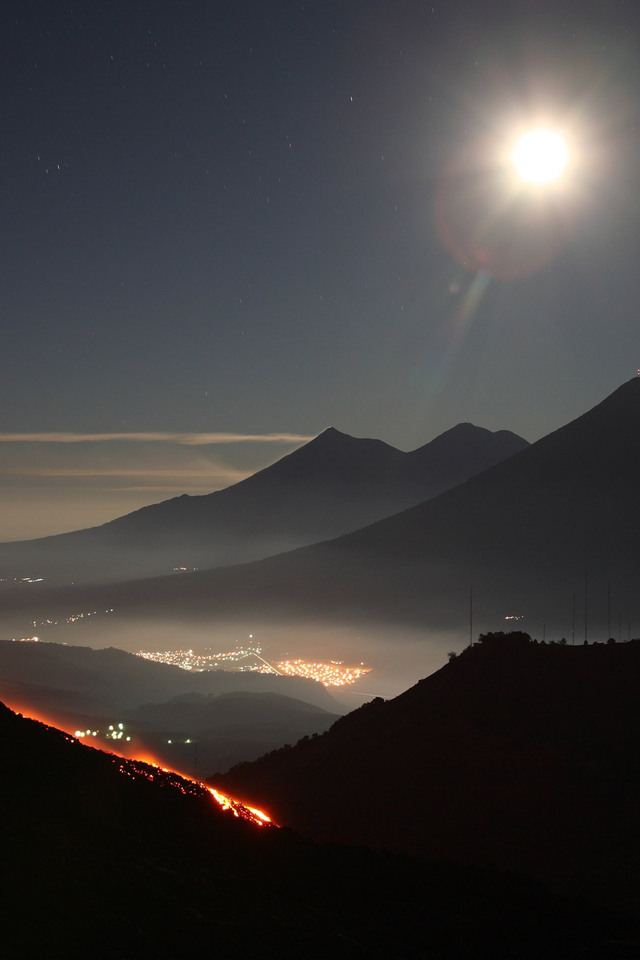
(239, 809)
(127, 752)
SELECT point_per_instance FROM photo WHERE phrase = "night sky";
(261, 219)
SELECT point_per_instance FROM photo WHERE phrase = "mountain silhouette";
(107, 858)
(515, 754)
(333, 484)
(197, 734)
(550, 533)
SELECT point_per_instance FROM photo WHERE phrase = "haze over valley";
(545, 539)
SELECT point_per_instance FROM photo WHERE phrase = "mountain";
(515, 754)
(550, 534)
(110, 858)
(331, 485)
(555, 524)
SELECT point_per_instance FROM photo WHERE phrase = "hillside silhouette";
(191, 721)
(109, 858)
(515, 754)
(197, 734)
(331, 485)
(118, 680)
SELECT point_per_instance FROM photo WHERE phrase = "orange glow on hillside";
(129, 751)
(239, 809)
(31, 714)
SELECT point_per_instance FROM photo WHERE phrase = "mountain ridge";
(132, 861)
(514, 753)
(330, 485)
(549, 533)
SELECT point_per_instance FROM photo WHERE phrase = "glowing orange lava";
(239, 809)
(128, 752)
(32, 714)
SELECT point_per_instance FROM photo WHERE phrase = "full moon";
(540, 156)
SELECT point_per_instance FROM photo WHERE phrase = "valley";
(342, 687)
(320, 480)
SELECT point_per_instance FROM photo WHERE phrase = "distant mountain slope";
(514, 754)
(528, 535)
(331, 485)
(106, 858)
(223, 730)
(51, 676)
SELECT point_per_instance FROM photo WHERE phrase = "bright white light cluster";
(199, 662)
(115, 731)
(330, 674)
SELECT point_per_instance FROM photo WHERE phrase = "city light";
(247, 657)
(113, 732)
(330, 674)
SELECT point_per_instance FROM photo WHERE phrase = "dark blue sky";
(238, 217)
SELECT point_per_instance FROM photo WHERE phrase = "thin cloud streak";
(231, 475)
(52, 482)
(184, 439)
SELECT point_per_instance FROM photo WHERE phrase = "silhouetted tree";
(500, 639)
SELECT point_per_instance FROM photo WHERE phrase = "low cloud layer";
(227, 474)
(186, 439)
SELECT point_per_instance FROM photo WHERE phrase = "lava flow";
(127, 752)
(239, 809)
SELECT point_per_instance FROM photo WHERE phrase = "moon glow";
(540, 156)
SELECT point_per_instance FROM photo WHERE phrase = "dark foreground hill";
(114, 860)
(515, 754)
(333, 484)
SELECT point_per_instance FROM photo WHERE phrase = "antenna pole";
(586, 605)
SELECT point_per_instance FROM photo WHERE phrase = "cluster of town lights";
(72, 618)
(188, 660)
(115, 731)
(332, 674)
(236, 807)
(329, 674)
